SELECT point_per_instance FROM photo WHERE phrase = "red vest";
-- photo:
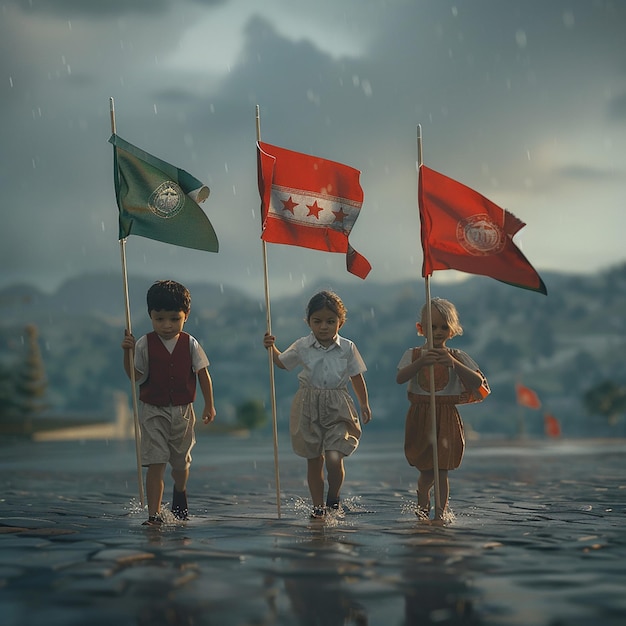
(171, 379)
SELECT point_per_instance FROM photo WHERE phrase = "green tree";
(31, 382)
(251, 414)
(606, 399)
(7, 392)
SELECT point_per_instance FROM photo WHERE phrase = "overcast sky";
(522, 100)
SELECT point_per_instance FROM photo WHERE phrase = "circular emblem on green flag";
(167, 200)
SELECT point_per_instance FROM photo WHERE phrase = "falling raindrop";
(520, 38)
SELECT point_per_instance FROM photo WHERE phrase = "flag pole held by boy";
(158, 201)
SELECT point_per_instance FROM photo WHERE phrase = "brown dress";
(450, 435)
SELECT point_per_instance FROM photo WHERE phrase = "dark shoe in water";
(318, 512)
(153, 520)
(180, 509)
(335, 507)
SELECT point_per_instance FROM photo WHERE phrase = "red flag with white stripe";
(309, 202)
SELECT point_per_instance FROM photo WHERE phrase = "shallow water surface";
(537, 537)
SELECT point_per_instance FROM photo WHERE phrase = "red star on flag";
(314, 209)
(340, 215)
(289, 205)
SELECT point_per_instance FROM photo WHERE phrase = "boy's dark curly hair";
(168, 295)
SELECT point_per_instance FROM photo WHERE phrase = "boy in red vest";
(168, 362)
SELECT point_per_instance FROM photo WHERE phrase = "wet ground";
(538, 537)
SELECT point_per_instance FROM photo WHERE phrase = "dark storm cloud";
(488, 73)
(83, 8)
(67, 9)
(208, 3)
(318, 94)
(502, 91)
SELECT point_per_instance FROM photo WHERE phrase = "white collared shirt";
(324, 368)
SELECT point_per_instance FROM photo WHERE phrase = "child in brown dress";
(457, 381)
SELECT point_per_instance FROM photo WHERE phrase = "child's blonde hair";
(448, 312)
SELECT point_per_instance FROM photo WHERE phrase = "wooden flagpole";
(132, 352)
(430, 346)
(268, 320)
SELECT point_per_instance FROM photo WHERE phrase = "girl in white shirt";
(324, 424)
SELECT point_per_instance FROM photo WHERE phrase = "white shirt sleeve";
(291, 358)
(199, 359)
(141, 359)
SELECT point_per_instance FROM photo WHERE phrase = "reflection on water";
(319, 580)
(537, 538)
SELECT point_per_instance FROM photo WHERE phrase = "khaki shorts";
(323, 419)
(167, 434)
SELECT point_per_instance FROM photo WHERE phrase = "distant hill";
(559, 345)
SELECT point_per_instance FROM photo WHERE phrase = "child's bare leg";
(315, 479)
(154, 487)
(424, 485)
(336, 474)
(180, 479)
(444, 493)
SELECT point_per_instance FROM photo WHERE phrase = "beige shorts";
(323, 419)
(167, 434)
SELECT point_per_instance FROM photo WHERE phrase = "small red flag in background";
(527, 397)
(465, 231)
(551, 425)
(309, 202)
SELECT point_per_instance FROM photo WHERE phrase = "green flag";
(159, 201)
